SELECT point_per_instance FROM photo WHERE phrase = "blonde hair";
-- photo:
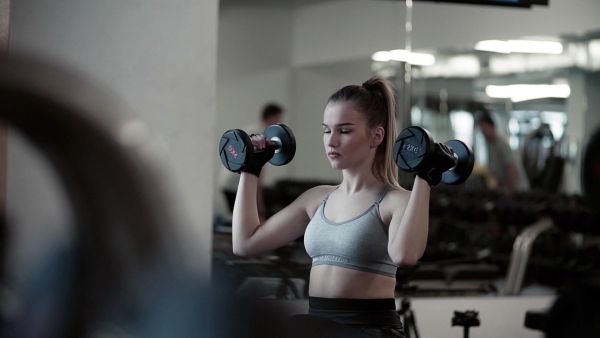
(375, 100)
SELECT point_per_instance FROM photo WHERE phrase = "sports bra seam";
(351, 258)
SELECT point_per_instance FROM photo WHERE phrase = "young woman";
(358, 232)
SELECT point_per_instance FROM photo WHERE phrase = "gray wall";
(159, 58)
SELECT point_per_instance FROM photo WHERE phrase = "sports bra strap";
(380, 197)
(327, 196)
(382, 193)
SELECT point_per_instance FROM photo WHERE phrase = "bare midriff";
(329, 281)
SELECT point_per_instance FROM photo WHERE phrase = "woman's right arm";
(250, 237)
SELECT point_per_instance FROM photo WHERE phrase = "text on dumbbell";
(412, 148)
(232, 151)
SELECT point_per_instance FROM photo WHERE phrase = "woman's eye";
(344, 131)
(326, 131)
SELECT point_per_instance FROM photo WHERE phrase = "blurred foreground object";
(124, 275)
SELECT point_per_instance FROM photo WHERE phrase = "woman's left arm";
(409, 225)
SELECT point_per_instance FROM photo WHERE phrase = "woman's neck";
(353, 183)
(361, 177)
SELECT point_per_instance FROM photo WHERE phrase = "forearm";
(260, 201)
(245, 219)
(408, 237)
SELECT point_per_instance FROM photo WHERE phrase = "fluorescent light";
(528, 92)
(399, 55)
(498, 92)
(464, 66)
(381, 56)
(520, 46)
(419, 59)
(536, 47)
(495, 46)
(523, 92)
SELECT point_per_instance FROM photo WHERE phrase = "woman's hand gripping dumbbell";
(416, 152)
(240, 152)
(436, 164)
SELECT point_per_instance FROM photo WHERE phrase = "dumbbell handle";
(455, 157)
(277, 145)
(436, 156)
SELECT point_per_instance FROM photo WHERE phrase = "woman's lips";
(333, 154)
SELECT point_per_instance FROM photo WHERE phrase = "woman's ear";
(377, 136)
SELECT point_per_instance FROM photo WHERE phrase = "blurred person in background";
(503, 164)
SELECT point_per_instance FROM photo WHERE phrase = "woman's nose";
(333, 140)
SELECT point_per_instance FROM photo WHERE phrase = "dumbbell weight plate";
(235, 149)
(412, 146)
(464, 163)
(283, 136)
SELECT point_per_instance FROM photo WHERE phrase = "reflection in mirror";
(526, 95)
(536, 102)
(525, 85)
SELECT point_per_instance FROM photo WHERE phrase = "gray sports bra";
(360, 243)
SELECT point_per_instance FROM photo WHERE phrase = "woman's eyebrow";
(340, 124)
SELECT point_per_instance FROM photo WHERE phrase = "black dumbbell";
(236, 149)
(414, 147)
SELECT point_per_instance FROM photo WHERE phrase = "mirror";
(531, 97)
(312, 53)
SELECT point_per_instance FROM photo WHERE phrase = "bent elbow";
(406, 259)
(241, 251)
(407, 262)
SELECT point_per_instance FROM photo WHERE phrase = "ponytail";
(376, 101)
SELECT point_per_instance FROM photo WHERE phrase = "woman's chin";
(336, 166)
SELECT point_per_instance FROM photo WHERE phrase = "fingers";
(259, 141)
(444, 149)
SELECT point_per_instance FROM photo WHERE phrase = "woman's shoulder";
(394, 201)
(314, 195)
(397, 193)
(398, 190)
(312, 198)
(318, 192)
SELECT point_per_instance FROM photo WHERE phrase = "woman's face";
(346, 138)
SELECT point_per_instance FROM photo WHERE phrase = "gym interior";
(114, 218)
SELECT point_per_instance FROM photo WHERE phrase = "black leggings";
(360, 318)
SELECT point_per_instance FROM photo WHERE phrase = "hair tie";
(368, 86)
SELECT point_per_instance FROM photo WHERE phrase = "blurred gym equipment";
(466, 320)
(125, 275)
(575, 312)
